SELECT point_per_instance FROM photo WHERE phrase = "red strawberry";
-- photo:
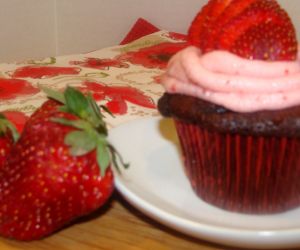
(204, 23)
(8, 135)
(58, 170)
(253, 29)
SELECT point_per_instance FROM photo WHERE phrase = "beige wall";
(39, 28)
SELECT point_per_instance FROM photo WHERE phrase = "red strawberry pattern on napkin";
(12, 88)
(101, 64)
(39, 72)
(118, 96)
(156, 56)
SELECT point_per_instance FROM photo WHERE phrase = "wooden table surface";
(117, 226)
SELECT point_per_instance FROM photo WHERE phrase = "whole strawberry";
(58, 170)
(253, 29)
(8, 135)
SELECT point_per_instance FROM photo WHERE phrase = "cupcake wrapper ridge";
(247, 174)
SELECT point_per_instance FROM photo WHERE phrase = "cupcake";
(234, 95)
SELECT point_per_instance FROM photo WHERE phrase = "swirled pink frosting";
(236, 83)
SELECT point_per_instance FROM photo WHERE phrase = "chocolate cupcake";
(236, 108)
(240, 162)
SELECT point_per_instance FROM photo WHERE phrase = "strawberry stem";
(116, 158)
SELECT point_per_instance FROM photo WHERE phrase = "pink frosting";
(233, 82)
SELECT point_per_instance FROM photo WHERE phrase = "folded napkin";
(140, 28)
(124, 77)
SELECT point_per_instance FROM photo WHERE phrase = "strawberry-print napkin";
(125, 78)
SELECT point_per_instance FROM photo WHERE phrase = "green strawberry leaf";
(76, 102)
(6, 125)
(81, 142)
(103, 157)
(94, 106)
(96, 118)
(14, 131)
(64, 108)
(53, 94)
(79, 124)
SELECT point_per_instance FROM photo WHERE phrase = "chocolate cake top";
(285, 122)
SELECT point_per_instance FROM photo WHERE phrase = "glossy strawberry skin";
(42, 186)
(253, 29)
(6, 143)
(8, 135)
(204, 23)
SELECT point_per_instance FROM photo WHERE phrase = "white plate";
(156, 184)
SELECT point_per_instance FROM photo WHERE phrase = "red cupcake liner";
(247, 174)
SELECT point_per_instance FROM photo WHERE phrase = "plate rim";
(263, 239)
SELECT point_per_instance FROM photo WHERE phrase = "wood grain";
(117, 226)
